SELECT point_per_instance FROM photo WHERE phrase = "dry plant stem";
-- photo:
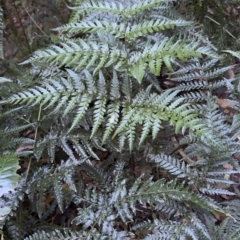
(181, 152)
(231, 73)
(34, 21)
(24, 32)
(35, 138)
(225, 30)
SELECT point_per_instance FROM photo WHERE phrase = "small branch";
(181, 152)
(34, 21)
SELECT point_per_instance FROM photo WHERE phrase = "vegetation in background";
(125, 119)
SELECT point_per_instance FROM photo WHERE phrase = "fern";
(57, 234)
(124, 198)
(119, 131)
(57, 94)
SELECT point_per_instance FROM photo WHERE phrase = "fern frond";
(171, 209)
(113, 112)
(82, 108)
(178, 114)
(174, 166)
(78, 54)
(95, 173)
(170, 229)
(213, 191)
(123, 198)
(87, 26)
(89, 148)
(119, 30)
(54, 235)
(151, 27)
(164, 52)
(58, 191)
(41, 186)
(111, 7)
(89, 91)
(118, 8)
(221, 231)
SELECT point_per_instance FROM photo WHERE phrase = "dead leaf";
(231, 74)
(227, 166)
(223, 103)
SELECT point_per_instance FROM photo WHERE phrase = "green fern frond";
(88, 54)
(41, 197)
(120, 30)
(233, 53)
(174, 166)
(113, 112)
(17, 129)
(171, 209)
(76, 14)
(193, 73)
(82, 108)
(95, 26)
(124, 198)
(95, 104)
(54, 235)
(3, 79)
(177, 113)
(147, 193)
(165, 52)
(82, 145)
(53, 180)
(213, 191)
(41, 186)
(106, 7)
(58, 191)
(96, 174)
(89, 148)
(118, 8)
(151, 27)
(221, 231)
(11, 230)
(78, 54)
(166, 230)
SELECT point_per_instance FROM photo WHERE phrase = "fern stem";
(35, 140)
